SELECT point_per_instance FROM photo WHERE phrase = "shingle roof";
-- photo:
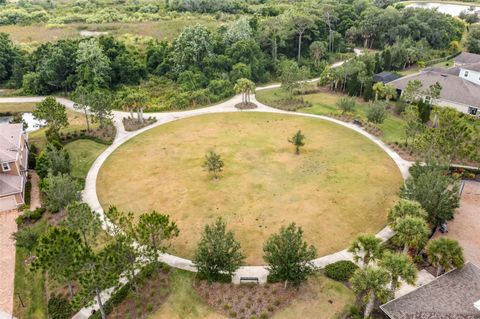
(473, 67)
(450, 296)
(452, 71)
(467, 58)
(9, 141)
(454, 88)
(10, 184)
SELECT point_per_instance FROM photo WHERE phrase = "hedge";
(341, 270)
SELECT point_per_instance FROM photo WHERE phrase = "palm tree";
(366, 248)
(411, 232)
(379, 89)
(445, 254)
(245, 87)
(389, 92)
(403, 208)
(371, 283)
(399, 267)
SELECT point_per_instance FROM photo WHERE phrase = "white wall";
(472, 76)
(458, 106)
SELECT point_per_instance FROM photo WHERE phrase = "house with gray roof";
(13, 166)
(460, 84)
(453, 295)
(466, 58)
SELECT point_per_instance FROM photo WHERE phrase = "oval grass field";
(341, 185)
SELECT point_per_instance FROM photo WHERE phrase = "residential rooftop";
(467, 58)
(450, 296)
(454, 88)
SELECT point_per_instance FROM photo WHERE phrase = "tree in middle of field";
(218, 253)
(298, 140)
(213, 163)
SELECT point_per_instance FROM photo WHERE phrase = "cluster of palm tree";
(382, 271)
(245, 87)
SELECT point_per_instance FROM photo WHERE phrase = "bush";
(376, 113)
(341, 270)
(59, 307)
(29, 216)
(346, 104)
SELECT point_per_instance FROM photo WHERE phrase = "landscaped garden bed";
(133, 124)
(246, 300)
(104, 135)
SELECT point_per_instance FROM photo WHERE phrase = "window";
(5, 167)
(472, 110)
(465, 74)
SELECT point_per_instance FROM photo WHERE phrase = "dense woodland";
(201, 65)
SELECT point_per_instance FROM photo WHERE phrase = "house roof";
(472, 67)
(385, 77)
(454, 88)
(450, 296)
(467, 58)
(10, 184)
(10, 141)
(452, 71)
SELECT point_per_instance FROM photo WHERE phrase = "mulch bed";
(104, 135)
(246, 106)
(133, 124)
(150, 295)
(246, 301)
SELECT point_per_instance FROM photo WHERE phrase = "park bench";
(249, 279)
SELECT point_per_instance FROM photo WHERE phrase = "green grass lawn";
(340, 180)
(324, 104)
(76, 121)
(29, 286)
(184, 303)
(82, 155)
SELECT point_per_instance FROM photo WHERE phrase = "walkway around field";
(89, 194)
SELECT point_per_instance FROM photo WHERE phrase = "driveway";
(7, 259)
(466, 226)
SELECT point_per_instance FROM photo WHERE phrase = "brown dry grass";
(341, 185)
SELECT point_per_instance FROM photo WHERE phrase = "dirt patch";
(246, 300)
(150, 295)
(35, 201)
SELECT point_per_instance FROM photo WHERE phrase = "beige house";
(13, 166)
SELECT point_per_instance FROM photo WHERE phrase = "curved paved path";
(90, 192)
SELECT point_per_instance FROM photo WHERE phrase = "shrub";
(264, 315)
(376, 113)
(30, 216)
(346, 104)
(341, 270)
(59, 307)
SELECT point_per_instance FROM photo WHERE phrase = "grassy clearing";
(29, 286)
(82, 155)
(322, 296)
(319, 295)
(183, 301)
(324, 104)
(16, 107)
(76, 122)
(340, 180)
(162, 30)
